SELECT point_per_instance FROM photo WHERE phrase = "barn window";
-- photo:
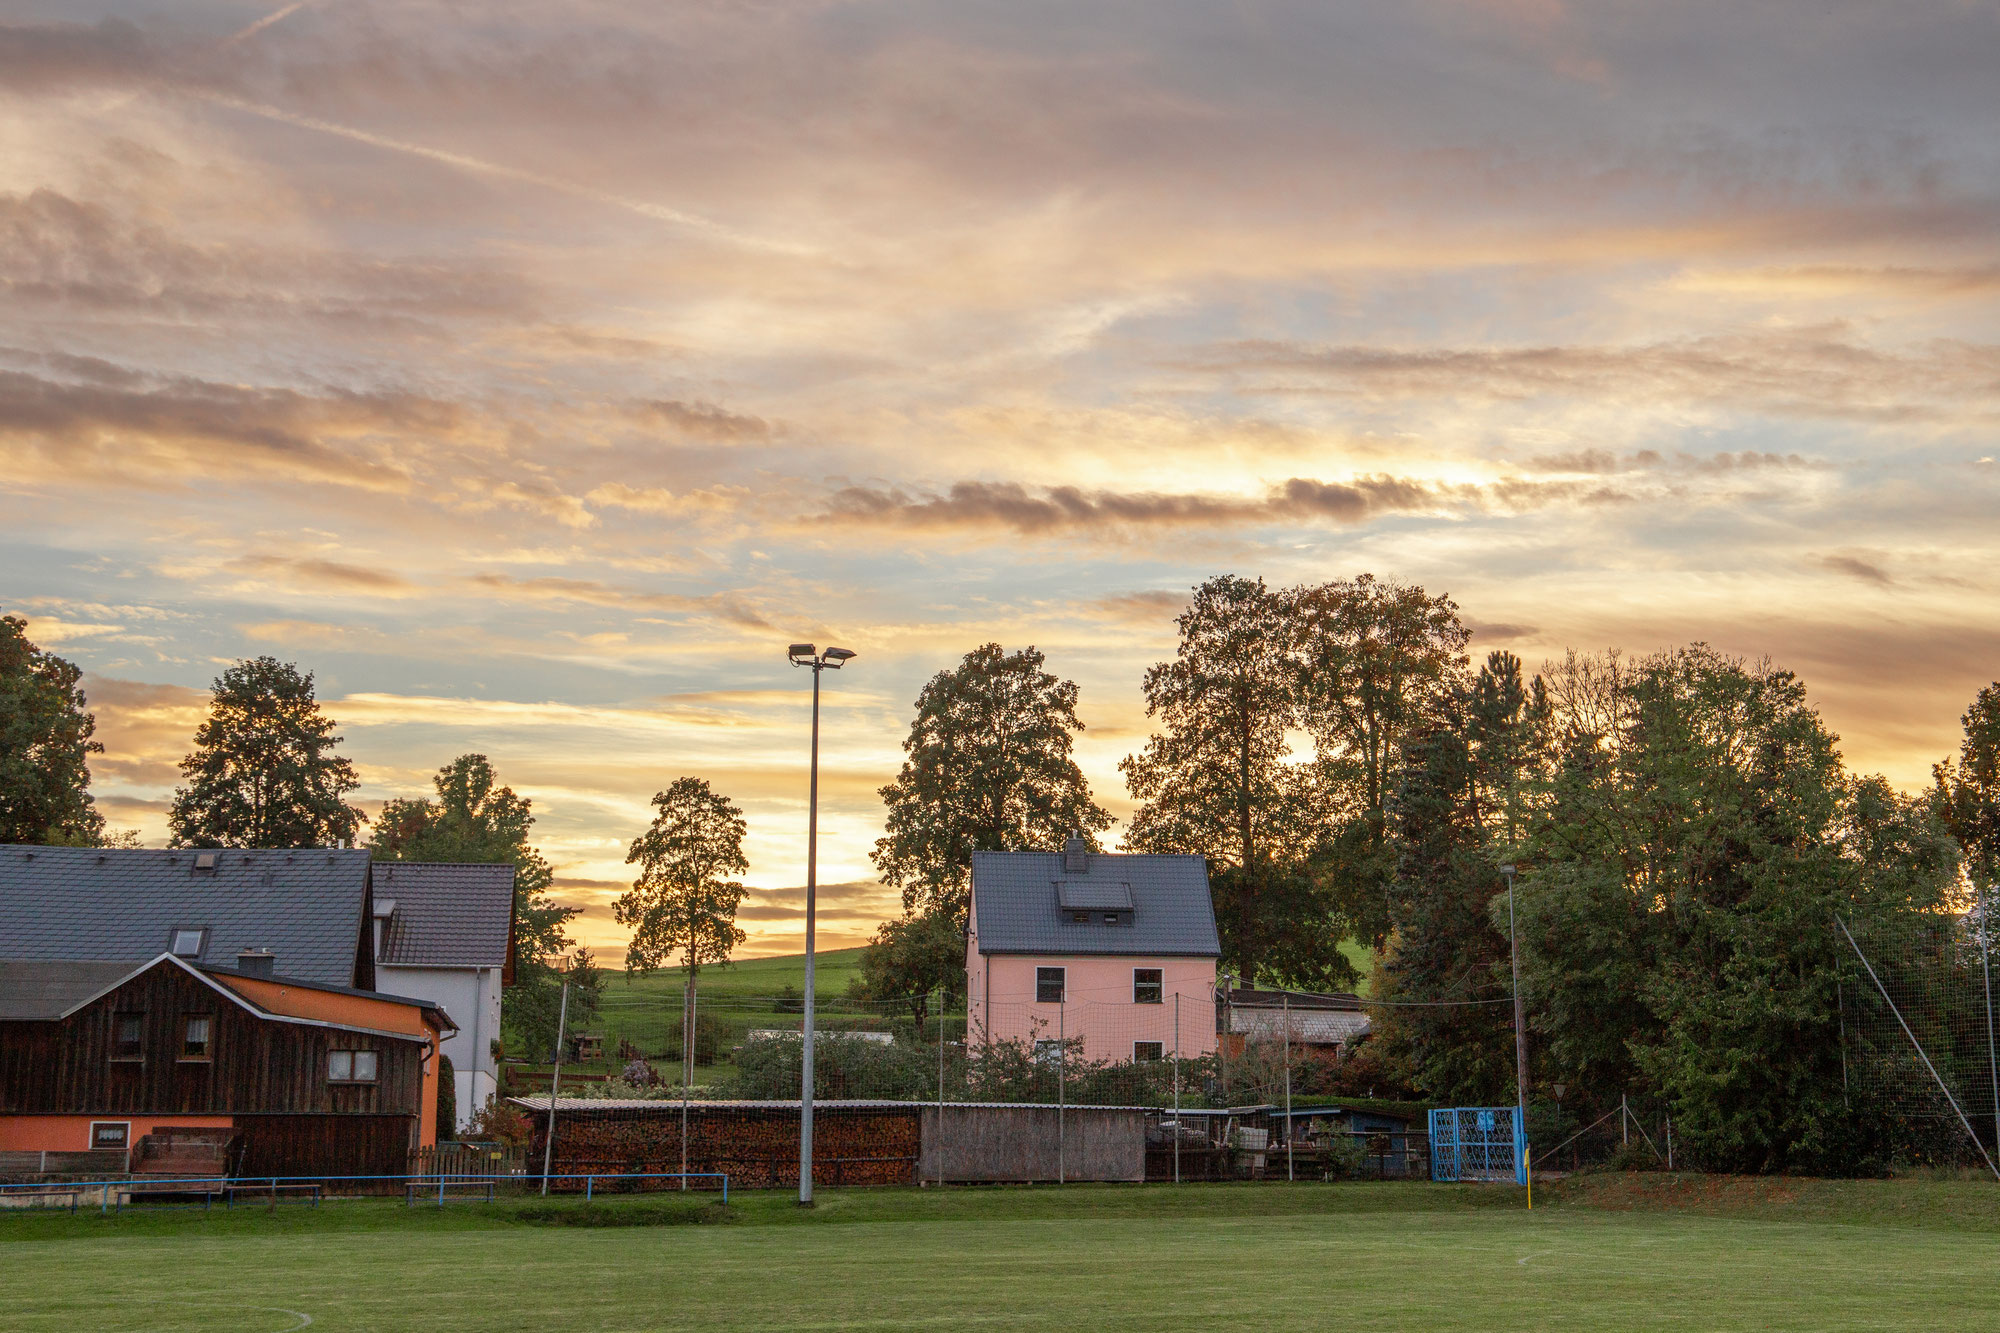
(350, 1066)
(1147, 988)
(1049, 985)
(110, 1134)
(195, 1037)
(1148, 1050)
(128, 1036)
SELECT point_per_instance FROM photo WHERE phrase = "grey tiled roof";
(120, 904)
(1016, 910)
(39, 989)
(446, 915)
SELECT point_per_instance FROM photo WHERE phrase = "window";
(1147, 988)
(188, 940)
(1049, 985)
(1048, 1051)
(110, 1134)
(1148, 1050)
(1112, 918)
(350, 1066)
(195, 1038)
(128, 1036)
(1080, 918)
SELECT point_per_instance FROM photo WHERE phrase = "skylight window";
(188, 941)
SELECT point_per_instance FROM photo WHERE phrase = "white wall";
(472, 997)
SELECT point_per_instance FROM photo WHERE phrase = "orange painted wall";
(358, 1011)
(71, 1133)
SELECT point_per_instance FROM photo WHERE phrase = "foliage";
(263, 772)
(474, 819)
(1339, 1155)
(45, 745)
(988, 768)
(1214, 780)
(682, 907)
(498, 1122)
(1968, 791)
(1371, 662)
(912, 961)
(447, 1099)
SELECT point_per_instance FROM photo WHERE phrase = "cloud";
(1601, 462)
(38, 58)
(186, 428)
(702, 421)
(1855, 567)
(333, 574)
(1014, 507)
(728, 607)
(1143, 608)
(1819, 371)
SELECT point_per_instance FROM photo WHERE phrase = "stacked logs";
(757, 1147)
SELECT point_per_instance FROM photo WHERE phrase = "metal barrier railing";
(116, 1195)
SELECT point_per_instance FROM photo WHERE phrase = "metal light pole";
(805, 655)
(1520, 1020)
(1986, 971)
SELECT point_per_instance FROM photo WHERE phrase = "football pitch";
(1700, 1256)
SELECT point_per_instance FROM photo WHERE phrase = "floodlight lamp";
(839, 654)
(798, 650)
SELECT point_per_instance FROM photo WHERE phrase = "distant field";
(833, 970)
(1686, 1254)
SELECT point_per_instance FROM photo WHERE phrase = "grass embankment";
(1596, 1253)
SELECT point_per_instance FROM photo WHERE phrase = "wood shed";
(992, 1142)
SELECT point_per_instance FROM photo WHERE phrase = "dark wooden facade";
(269, 1074)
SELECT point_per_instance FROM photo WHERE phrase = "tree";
(1371, 660)
(45, 745)
(1214, 781)
(1457, 813)
(988, 769)
(474, 819)
(264, 772)
(908, 962)
(682, 907)
(1968, 792)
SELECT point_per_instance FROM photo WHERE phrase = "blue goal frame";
(1478, 1143)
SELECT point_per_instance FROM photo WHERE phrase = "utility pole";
(1520, 1016)
(1986, 970)
(555, 1079)
(803, 654)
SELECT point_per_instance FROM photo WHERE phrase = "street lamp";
(1520, 1022)
(805, 655)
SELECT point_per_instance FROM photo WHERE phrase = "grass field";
(757, 978)
(1668, 1253)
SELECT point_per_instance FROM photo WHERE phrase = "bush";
(1340, 1155)
(499, 1123)
(447, 1099)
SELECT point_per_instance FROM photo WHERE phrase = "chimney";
(257, 962)
(1076, 855)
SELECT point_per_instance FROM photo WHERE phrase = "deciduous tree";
(45, 745)
(1968, 791)
(988, 768)
(682, 907)
(264, 772)
(913, 961)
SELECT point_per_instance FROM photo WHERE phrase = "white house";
(445, 933)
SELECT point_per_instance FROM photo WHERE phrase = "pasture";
(1600, 1253)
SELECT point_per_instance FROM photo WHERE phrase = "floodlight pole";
(803, 654)
(555, 1081)
(1520, 1018)
(1986, 971)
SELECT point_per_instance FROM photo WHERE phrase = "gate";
(1478, 1143)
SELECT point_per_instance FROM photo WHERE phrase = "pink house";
(1114, 951)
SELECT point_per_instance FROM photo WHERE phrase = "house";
(309, 907)
(1112, 954)
(274, 1074)
(445, 933)
(1325, 1021)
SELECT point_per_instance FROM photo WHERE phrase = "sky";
(533, 374)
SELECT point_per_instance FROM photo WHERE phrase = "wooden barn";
(187, 1069)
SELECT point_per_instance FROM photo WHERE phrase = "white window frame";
(207, 1052)
(1062, 984)
(1161, 974)
(350, 1061)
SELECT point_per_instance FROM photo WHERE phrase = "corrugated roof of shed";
(122, 904)
(1016, 907)
(447, 915)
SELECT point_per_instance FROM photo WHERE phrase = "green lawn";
(1693, 1255)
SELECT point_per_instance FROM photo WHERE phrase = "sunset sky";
(534, 373)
